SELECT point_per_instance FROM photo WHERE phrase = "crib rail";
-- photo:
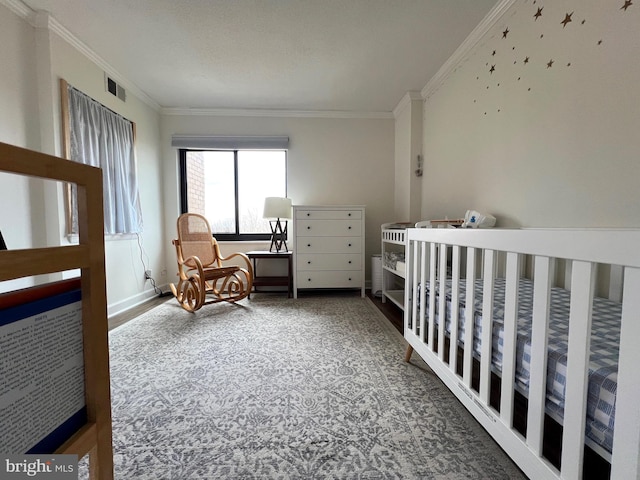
(433, 255)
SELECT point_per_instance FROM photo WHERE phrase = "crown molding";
(19, 8)
(470, 42)
(75, 42)
(405, 102)
(41, 19)
(228, 112)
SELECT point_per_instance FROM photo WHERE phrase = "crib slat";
(582, 288)
(433, 262)
(615, 283)
(567, 275)
(424, 262)
(409, 291)
(468, 317)
(510, 337)
(442, 300)
(626, 434)
(455, 307)
(487, 322)
(412, 262)
(539, 345)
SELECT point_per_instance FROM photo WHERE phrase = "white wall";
(123, 256)
(18, 109)
(408, 146)
(331, 161)
(34, 59)
(540, 146)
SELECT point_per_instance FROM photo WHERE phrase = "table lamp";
(276, 208)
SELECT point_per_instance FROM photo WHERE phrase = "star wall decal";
(508, 68)
(567, 19)
(538, 13)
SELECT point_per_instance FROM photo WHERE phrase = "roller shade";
(230, 142)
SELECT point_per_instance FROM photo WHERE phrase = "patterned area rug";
(275, 388)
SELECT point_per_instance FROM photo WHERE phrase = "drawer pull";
(308, 262)
(349, 214)
(349, 244)
(308, 214)
(349, 278)
(308, 279)
(308, 228)
(308, 244)
(349, 227)
(349, 262)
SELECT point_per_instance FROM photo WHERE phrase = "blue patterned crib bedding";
(605, 337)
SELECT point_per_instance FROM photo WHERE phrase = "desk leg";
(289, 286)
(255, 289)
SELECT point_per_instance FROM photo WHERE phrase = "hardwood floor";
(134, 312)
(390, 310)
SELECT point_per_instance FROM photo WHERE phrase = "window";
(228, 187)
(97, 136)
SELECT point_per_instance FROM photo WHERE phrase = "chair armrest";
(249, 266)
(185, 268)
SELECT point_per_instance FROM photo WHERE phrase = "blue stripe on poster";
(55, 439)
(36, 307)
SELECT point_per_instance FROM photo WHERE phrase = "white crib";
(522, 282)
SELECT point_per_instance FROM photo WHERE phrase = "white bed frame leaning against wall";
(581, 263)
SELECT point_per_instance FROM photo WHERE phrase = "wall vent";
(115, 89)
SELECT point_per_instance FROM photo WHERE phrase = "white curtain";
(102, 138)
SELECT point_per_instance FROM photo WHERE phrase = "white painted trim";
(470, 42)
(19, 8)
(75, 42)
(133, 301)
(231, 112)
(405, 102)
(45, 20)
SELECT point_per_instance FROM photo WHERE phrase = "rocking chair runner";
(204, 278)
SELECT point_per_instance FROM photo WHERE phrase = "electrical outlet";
(147, 274)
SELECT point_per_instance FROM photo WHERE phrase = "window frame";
(184, 204)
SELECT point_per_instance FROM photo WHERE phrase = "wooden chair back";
(195, 239)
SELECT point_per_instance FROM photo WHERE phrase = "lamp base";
(278, 236)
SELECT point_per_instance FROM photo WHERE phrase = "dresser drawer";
(328, 245)
(340, 261)
(329, 228)
(328, 214)
(329, 279)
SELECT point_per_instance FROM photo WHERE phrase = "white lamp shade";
(277, 207)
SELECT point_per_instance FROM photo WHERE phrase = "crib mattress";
(602, 383)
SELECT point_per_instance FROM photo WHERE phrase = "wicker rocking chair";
(204, 278)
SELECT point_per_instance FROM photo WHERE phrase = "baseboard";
(134, 301)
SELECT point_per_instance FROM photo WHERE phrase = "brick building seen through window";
(228, 187)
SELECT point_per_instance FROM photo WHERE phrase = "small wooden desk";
(272, 281)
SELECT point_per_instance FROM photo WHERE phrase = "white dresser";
(328, 247)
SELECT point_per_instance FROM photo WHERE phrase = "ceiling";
(304, 55)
